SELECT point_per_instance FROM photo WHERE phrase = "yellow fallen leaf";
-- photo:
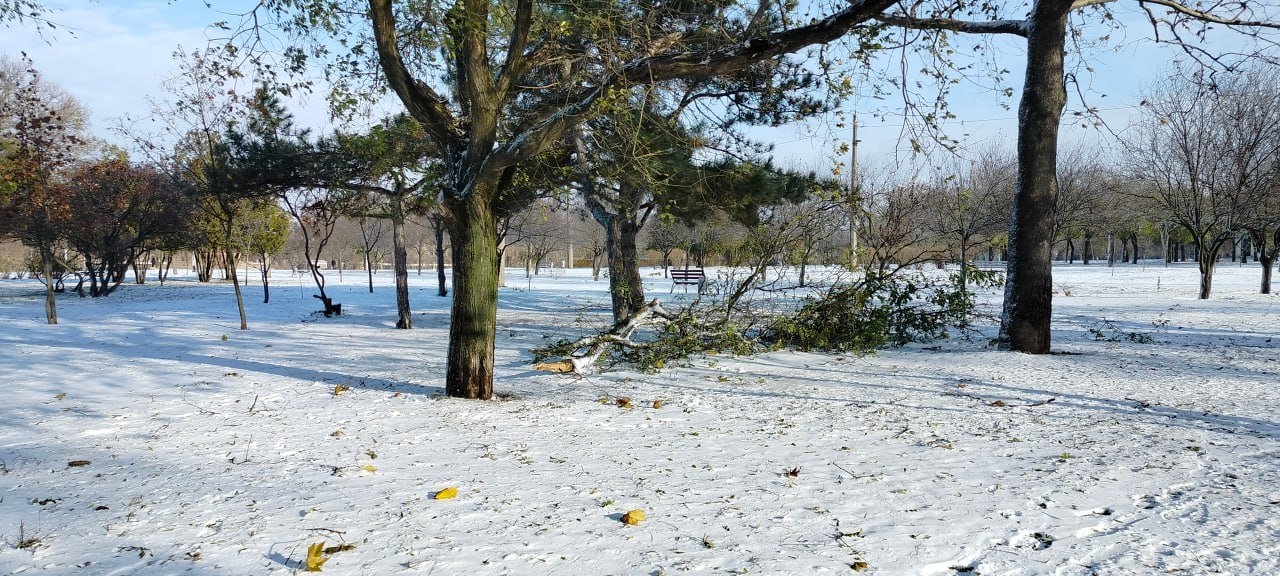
(624, 402)
(369, 468)
(447, 493)
(315, 557)
(658, 403)
(339, 389)
(633, 517)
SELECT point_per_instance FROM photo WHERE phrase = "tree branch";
(1209, 17)
(1015, 27)
(422, 102)
(513, 66)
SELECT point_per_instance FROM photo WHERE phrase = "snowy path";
(231, 457)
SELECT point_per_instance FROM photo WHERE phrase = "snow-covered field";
(1148, 445)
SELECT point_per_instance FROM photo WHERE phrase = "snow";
(231, 457)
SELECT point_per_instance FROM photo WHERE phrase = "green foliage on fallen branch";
(876, 312)
(880, 312)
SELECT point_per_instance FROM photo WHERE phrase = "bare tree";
(1207, 149)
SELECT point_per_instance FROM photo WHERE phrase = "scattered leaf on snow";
(658, 403)
(315, 557)
(60, 395)
(446, 494)
(999, 404)
(224, 337)
(860, 566)
(792, 473)
(625, 402)
(339, 389)
(633, 517)
(77, 463)
(339, 548)
(336, 434)
(369, 468)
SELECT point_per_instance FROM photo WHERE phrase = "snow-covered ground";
(1147, 445)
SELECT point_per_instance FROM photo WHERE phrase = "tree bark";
(266, 276)
(1028, 296)
(235, 283)
(1206, 259)
(626, 287)
(437, 225)
(400, 255)
(50, 300)
(473, 231)
(1267, 263)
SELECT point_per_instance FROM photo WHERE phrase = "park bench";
(688, 277)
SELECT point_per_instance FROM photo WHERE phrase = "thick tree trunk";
(1267, 263)
(626, 287)
(1111, 251)
(1028, 296)
(437, 225)
(1071, 252)
(50, 300)
(473, 231)
(400, 255)
(1206, 260)
(1086, 250)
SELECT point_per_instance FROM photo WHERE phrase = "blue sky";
(120, 56)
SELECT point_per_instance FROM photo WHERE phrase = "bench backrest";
(688, 274)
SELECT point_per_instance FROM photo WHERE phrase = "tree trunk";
(473, 231)
(235, 283)
(266, 276)
(1111, 251)
(1086, 250)
(400, 255)
(50, 301)
(626, 287)
(437, 224)
(1206, 259)
(1028, 296)
(1071, 251)
(1267, 263)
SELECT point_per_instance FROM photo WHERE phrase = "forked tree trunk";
(473, 231)
(400, 255)
(1028, 295)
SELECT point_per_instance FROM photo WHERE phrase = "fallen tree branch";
(583, 352)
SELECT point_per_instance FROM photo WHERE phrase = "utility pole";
(853, 198)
